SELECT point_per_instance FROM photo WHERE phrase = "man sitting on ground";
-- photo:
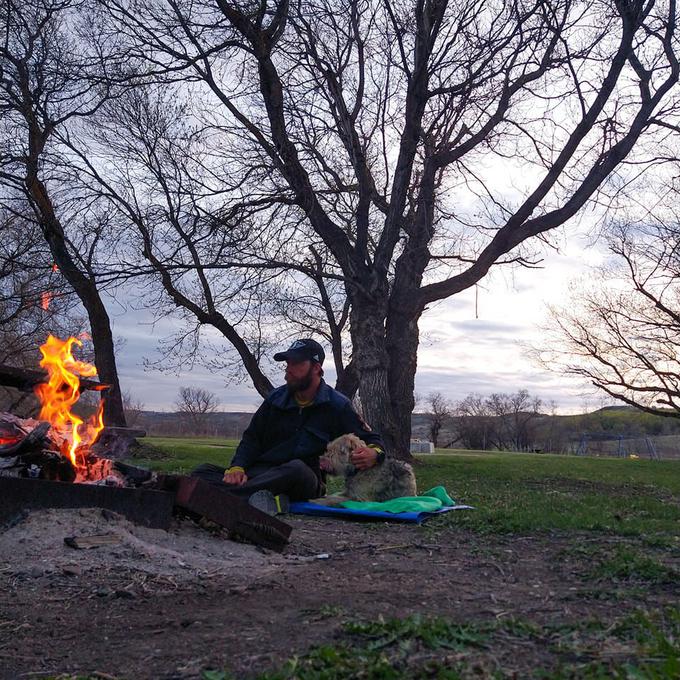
(278, 457)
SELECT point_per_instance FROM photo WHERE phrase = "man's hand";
(237, 477)
(363, 458)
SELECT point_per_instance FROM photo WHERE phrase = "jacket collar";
(283, 398)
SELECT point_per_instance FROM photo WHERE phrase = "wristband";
(234, 468)
(381, 454)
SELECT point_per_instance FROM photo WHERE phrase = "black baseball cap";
(302, 350)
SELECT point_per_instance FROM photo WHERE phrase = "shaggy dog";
(391, 479)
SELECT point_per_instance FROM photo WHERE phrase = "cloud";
(472, 342)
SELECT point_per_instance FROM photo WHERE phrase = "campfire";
(59, 445)
(37, 456)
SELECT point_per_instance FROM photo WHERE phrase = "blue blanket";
(346, 513)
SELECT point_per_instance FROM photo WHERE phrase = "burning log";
(34, 449)
(26, 380)
(24, 443)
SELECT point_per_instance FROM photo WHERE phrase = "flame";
(62, 390)
(45, 299)
(55, 268)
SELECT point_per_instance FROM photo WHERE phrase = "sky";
(460, 352)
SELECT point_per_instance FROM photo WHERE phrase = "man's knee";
(303, 482)
(298, 469)
(208, 471)
(297, 465)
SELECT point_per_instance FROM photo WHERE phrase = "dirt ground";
(170, 604)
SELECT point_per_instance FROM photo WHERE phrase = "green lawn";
(514, 492)
(182, 455)
(526, 492)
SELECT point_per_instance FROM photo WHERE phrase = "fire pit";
(63, 461)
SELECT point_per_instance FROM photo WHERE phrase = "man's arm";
(250, 446)
(370, 455)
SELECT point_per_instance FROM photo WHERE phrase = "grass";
(529, 492)
(182, 455)
(639, 645)
(627, 564)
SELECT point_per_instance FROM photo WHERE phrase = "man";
(278, 457)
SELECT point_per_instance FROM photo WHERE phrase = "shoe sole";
(266, 502)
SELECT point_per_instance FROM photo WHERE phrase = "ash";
(35, 547)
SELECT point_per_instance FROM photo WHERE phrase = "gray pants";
(294, 478)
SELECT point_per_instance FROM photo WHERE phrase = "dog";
(391, 479)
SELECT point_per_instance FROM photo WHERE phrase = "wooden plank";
(95, 541)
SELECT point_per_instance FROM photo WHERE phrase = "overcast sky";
(459, 353)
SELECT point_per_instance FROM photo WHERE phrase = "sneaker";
(268, 503)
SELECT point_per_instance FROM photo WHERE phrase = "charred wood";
(35, 439)
(26, 379)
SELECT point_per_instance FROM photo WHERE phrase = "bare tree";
(134, 409)
(501, 421)
(474, 424)
(209, 260)
(439, 411)
(621, 330)
(46, 84)
(515, 416)
(364, 129)
(196, 405)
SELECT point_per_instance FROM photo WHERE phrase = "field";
(567, 568)
(517, 491)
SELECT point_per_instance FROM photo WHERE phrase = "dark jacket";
(281, 431)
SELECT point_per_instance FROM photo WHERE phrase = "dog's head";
(336, 458)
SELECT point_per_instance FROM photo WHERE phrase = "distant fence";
(665, 447)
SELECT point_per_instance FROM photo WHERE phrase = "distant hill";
(548, 433)
(221, 424)
(617, 407)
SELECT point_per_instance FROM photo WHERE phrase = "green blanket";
(428, 501)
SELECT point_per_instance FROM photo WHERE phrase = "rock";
(111, 516)
(71, 570)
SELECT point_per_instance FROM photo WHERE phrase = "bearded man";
(278, 458)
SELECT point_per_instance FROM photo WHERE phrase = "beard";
(300, 384)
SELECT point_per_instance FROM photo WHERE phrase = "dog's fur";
(391, 479)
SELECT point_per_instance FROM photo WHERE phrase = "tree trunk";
(86, 290)
(25, 379)
(104, 356)
(348, 380)
(402, 348)
(100, 327)
(373, 368)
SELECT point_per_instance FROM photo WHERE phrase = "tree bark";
(348, 380)
(86, 290)
(402, 349)
(367, 321)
